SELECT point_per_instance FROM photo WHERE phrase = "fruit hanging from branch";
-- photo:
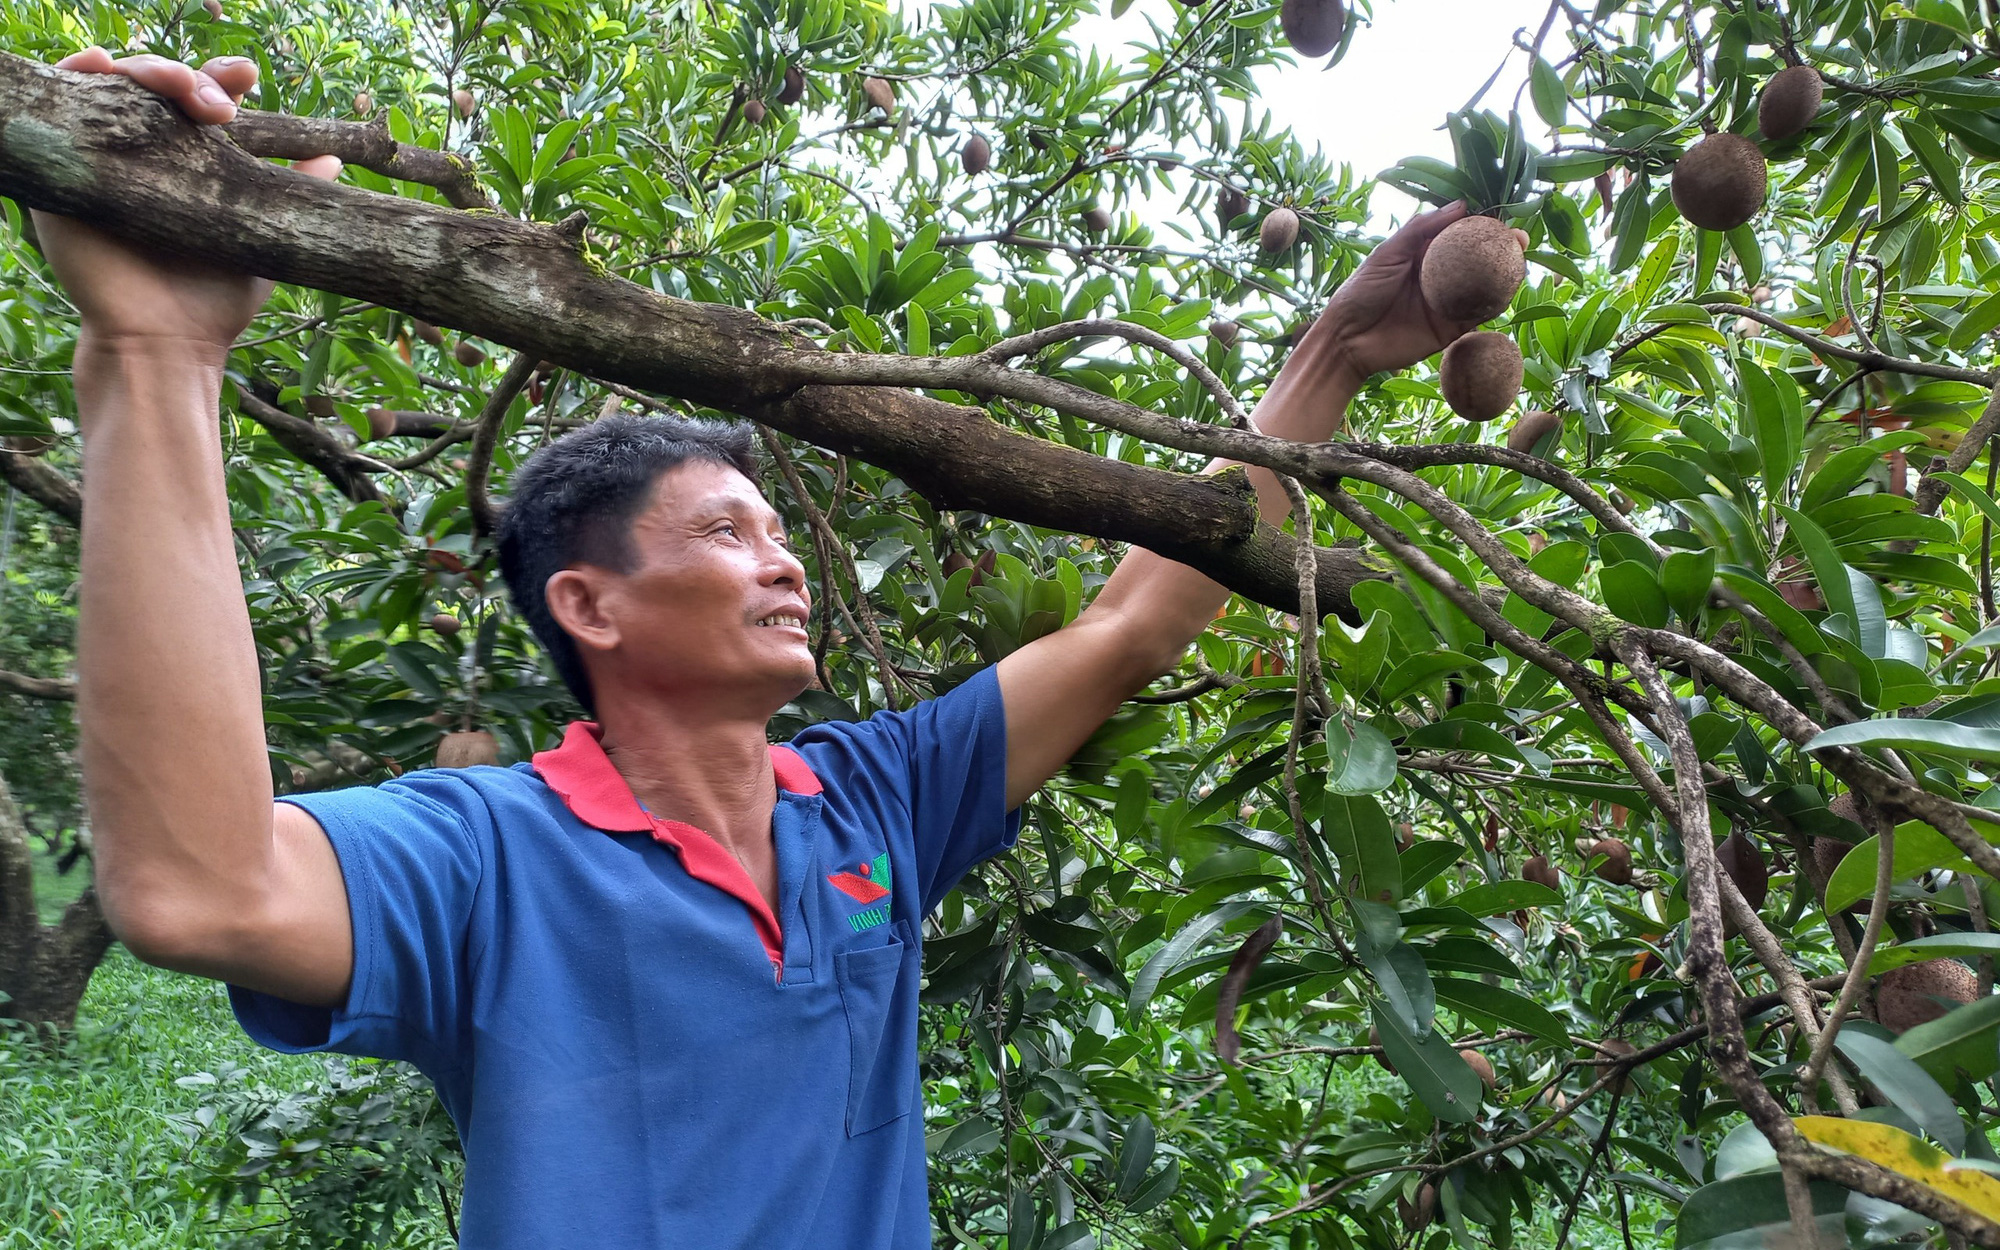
(880, 93)
(794, 89)
(1480, 374)
(468, 749)
(976, 155)
(1279, 231)
(1721, 182)
(1472, 270)
(1790, 102)
(1313, 27)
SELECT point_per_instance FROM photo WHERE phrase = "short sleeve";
(411, 867)
(948, 758)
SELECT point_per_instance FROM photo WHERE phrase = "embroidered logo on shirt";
(869, 883)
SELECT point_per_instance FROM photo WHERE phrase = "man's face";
(716, 603)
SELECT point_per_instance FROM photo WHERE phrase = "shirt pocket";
(874, 987)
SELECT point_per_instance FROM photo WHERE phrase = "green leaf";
(1504, 896)
(1360, 758)
(1405, 982)
(1750, 1212)
(1443, 1082)
(1936, 946)
(1686, 577)
(1545, 85)
(1905, 1084)
(1960, 1045)
(1358, 831)
(1919, 848)
(1828, 570)
(1777, 421)
(1156, 1190)
(1939, 737)
(1501, 1006)
(1135, 1156)
(1633, 593)
(1178, 948)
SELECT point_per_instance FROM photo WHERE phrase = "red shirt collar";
(583, 776)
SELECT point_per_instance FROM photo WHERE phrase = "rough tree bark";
(99, 147)
(44, 969)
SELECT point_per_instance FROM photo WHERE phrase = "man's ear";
(576, 600)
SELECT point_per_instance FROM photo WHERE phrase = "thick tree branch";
(367, 144)
(37, 687)
(104, 149)
(42, 484)
(315, 446)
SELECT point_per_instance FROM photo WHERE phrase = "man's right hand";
(126, 293)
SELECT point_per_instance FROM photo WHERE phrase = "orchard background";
(1587, 838)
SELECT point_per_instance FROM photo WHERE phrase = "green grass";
(92, 1157)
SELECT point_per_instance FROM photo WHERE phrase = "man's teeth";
(777, 620)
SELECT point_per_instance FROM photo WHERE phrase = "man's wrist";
(173, 351)
(110, 372)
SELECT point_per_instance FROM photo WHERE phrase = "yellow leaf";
(1911, 1156)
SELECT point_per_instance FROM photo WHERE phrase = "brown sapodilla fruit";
(1480, 375)
(1790, 101)
(754, 111)
(1225, 332)
(1532, 428)
(445, 623)
(364, 103)
(1609, 1051)
(1472, 269)
(880, 92)
(1745, 865)
(214, 8)
(1916, 994)
(976, 155)
(319, 405)
(1481, 1065)
(1231, 204)
(1417, 1216)
(1096, 220)
(381, 423)
(1540, 871)
(1279, 231)
(794, 89)
(465, 750)
(1721, 182)
(468, 354)
(464, 101)
(1617, 861)
(428, 333)
(1313, 27)
(1375, 1040)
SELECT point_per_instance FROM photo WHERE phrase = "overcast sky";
(1416, 62)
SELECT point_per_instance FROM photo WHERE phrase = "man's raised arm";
(196, 868)
(1060, 688)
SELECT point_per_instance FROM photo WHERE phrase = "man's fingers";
(323, 167)
(237, 75)
(92, 60)
(196, 94)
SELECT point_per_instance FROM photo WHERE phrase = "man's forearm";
(1163, 604)
(168, 698)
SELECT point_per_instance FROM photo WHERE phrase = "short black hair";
(574, 502)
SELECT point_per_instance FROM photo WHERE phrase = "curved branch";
(486, 437)
(1874, 361)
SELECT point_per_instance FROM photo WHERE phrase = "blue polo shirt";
(636, 1050)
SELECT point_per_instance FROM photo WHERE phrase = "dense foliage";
(1764, 405)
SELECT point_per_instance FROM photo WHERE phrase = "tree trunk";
(44, 969)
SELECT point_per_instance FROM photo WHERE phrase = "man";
(664, 976)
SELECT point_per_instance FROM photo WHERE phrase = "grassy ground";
(92, 1157)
